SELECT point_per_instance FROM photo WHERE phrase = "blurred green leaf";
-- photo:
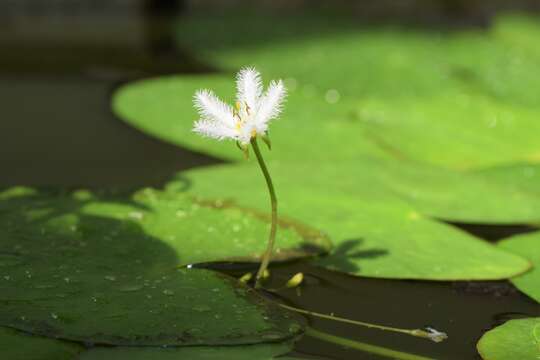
(460, 131)
(250, 352)
(15, 345)
(524, 176)
(527, 246)
(516, 339)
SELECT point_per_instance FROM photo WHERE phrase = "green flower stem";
(273, 200)
(413, 332)
(378, 350)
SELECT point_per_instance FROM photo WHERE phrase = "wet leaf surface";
(259, 352)
(516, 339)
(481, 132)
(348, 146)
(527, 246)
(79, 267)
(375, 234)
(15, 345)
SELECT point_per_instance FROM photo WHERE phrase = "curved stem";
(273, 200)
(433, 335)
(353, 344)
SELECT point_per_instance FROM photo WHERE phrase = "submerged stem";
(353, 344)
(265, 260)
(430, 334)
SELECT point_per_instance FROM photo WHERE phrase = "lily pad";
(382, 61)
(480, 131)
(524, 176)
(527, 246)
(259, 352)
(376, 234)
(196, 230)
(81, 267)
(15, 345)
(516, 339)
(444, 193)
(163, 107)
(421, 93)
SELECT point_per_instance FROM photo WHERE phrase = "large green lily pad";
(259, 352)
(163, 107)
(334, 51)
(376, 234)
(443, 193)
(15, 345)
(480, 131)
(195, 230)
(82, 267)
(460, 99)
(524, 176)
(527, 246)
(516, 339)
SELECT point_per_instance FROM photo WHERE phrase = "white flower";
(251, 115)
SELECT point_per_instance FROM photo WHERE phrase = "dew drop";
(45, 286)
(271, 336)
(9, 260)
(137, 215)
(168, 292)
(332, 96)
(131, 288)
(110, 277)
(201, 308)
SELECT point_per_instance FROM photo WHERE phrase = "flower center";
(242, 113)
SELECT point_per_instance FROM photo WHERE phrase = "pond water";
(59, 131)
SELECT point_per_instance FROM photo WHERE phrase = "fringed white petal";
(249, 87)
(211, 108)
(270, 104)
(214, 129)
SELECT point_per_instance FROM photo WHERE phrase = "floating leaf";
(382, 61)
(443, 193)
(527, 246)
(259, 352)
(163, 107)
(15, 345)
(376, 234)
(516, 339)
(480, 131)
(195, 230)
(89, 268)
(524, 176)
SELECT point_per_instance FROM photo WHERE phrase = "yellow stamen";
(238, 106)
(253, 133)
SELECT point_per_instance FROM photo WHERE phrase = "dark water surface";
(59, 131)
